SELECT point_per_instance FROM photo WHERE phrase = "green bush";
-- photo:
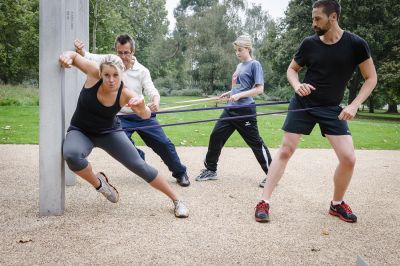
(9, 102)
(164, 91)
(283, 93)
(166, 84)
(19, 95)
(187, 92)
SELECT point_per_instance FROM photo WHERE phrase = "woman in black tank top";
(101, 98)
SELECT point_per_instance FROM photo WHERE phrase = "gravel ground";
(141, 228)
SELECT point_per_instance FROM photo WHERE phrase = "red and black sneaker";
(262, 212)
(343, 211)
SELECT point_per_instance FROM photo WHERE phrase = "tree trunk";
(4, 79)
(94, 28)
(211, 81)
(354, 86)
(371, 104)
(392, 108)
(7, 73)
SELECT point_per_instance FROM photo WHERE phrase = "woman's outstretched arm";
(136, 103)
(90, 68)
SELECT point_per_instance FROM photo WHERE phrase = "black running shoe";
(183, 180)
(343, 211)
(262, 212)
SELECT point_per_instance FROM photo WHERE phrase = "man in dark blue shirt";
(330, 57)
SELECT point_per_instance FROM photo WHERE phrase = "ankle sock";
(336, 202)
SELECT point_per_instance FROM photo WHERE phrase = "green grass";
(380, 115)
(19, 124)
(373, 134)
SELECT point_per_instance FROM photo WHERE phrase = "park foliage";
(196, 57)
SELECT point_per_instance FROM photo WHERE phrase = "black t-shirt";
(330, 66)
(91, 116)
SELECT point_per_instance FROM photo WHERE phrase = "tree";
(256, 24)
(205, 31)
(19, 40)
(280, 44)
(146, 21)
(211, 47)
(206, 38)
(390, 79)
(196, 6)
(377, 22)
(259, 25)
(148, 24)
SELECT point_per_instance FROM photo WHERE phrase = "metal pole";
(76, 27)
(58, 23)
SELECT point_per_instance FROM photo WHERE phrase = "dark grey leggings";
(77, 146)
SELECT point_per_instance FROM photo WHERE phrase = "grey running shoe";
(181, 211)
(262, 183)
(107, 189)
(206, 174)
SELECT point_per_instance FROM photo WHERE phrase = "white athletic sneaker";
(107, 189)
(181, 211)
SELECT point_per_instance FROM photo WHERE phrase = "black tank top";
(91, 116)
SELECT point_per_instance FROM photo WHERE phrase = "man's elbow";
(372, 80)
(289, 72)
(260, 90)
(375, 80)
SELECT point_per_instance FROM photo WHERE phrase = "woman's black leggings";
(77, 147)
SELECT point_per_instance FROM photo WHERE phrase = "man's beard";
(320, 31)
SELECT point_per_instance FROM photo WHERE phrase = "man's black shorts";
(303, 122)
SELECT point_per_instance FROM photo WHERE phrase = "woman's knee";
(145, 171)
(75, 161)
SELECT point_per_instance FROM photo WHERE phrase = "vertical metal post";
(76, 27)
(57, 100)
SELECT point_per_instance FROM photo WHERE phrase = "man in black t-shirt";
(330, 57)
